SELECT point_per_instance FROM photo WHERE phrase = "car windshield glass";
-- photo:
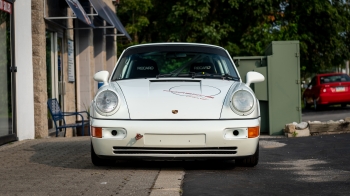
(334, 78)
(162, 64)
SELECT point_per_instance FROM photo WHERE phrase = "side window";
(345, 78)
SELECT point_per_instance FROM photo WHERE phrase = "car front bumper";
(174, 139)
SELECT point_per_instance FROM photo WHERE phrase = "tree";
(321, 26)
(246, 28)
(135, 13)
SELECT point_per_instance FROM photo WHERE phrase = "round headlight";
(242, 102)
(107, 102)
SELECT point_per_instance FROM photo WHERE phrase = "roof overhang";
(79, 11)
(109, 16)
(101, 9)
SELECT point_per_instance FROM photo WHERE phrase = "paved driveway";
(318, 165)
(62, 166)
(315, 165)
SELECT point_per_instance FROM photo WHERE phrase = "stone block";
(347, 119)
(39, 109)
(37, 51)
(297, 130)
(38, 98)
(39, 40)
(41, 131)
(40, 86)
(301, 126)
(329, 127)
(289, 128)
(37, 15)
(38, 28)
(37, 61)
(299, 133)
(303, 132)
(40, 74)
(37, 5)
(69, 132)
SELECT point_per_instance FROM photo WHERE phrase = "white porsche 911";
(175, 101)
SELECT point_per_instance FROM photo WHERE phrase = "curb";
(168, 182)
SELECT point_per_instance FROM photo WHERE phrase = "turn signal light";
(96, 132)
(253, 132)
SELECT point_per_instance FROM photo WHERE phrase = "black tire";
(316, 106)
(98, 161)
(306, 105)
(250, 161)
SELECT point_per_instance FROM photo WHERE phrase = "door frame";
(13, 69)
(57, 84)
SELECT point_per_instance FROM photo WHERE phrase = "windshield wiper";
(229, 77)
(192, 74)
(164, 75)
(199, 75)
(223, 76)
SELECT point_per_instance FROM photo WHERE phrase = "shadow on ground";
(75, 153)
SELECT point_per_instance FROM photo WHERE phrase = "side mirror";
(101, 76)
(254, 77)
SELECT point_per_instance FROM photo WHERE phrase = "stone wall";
(39, 69)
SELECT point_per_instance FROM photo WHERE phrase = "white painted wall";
(23, 56)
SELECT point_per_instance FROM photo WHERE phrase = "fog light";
(114, 132)
(235, 132)
(253, 132)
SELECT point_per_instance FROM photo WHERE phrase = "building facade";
(51, 49)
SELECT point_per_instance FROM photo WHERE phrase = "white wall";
(23, 56)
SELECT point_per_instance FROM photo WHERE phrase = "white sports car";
(175, 101)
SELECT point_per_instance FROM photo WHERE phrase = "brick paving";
(62, 166)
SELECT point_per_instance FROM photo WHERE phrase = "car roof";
(175, 44)
(330, 74)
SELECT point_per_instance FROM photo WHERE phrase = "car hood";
(174, 99)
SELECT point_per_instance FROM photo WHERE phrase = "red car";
(328, 89)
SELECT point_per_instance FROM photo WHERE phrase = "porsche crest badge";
(175, 111)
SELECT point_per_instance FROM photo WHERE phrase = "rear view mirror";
(254, 77)
(101, 76)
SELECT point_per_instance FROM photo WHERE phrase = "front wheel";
(250, 161)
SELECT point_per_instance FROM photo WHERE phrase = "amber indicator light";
(96, 132)
(253, 132)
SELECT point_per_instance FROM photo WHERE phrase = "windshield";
(172, 63)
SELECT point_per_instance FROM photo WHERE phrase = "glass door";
(6, 75)
(55, 85)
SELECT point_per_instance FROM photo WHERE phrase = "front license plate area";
(174, 139)
(340, 89)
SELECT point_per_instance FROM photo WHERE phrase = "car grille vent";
(135, 150)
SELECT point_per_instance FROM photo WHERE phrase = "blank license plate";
(340, 89)
(174, 140)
